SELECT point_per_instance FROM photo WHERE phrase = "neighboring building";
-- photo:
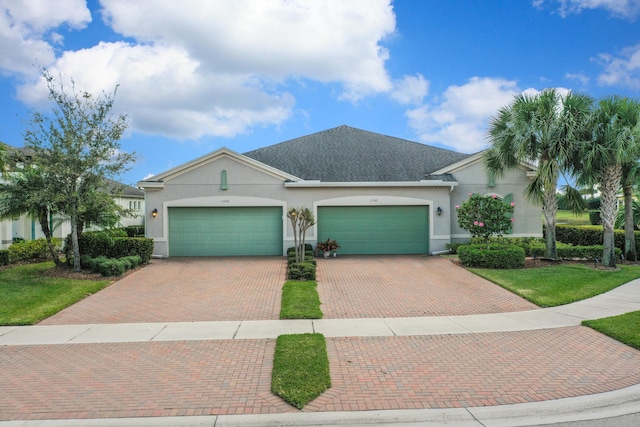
(372, 193)
(27, 228)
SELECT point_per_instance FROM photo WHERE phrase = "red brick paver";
(407, 286)
(447, 371)
(137, 379)
(186, 290)
(233, 377)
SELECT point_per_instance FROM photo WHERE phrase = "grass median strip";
(28, 295)
(300, 300)
(559, 284)
(300, 368)
(624, 328)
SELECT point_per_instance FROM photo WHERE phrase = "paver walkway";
(232, 376)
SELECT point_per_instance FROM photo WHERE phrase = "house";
(27, 228)
(374, 194)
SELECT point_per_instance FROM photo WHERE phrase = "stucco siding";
(474, 179)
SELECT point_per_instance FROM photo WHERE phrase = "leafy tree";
(301, 220)
(76, 148)
(542, 130)
(3, 153)
(485, 216)
(23, 194)
(614, 144)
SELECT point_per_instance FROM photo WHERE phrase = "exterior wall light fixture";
(154, 213)
(439, 211)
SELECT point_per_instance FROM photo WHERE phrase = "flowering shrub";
(485, 216)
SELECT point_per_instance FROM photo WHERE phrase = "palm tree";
(630, 175)
(543, 130)
(614, 145)
(22, 194)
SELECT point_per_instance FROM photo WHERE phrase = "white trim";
(424, 183)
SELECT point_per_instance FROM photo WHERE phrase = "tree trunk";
(549, 210)
(74, 238)
(43, 219)
(629, 234)
(609, 185)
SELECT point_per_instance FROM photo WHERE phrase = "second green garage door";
(225, 231)
(376, 229)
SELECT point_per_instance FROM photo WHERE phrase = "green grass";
(27, 295)
(300, 368)
(300, 300)
(624, 328)
(560, 284)
(569, 218)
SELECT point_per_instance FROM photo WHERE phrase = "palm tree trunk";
(629, 233)
(608, 208)
(549, 210)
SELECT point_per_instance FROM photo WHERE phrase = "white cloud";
(25, 24)
(197, 67)
(621, 71)
(579, 77)
(628, 9)
(459, 118)
(410, 90)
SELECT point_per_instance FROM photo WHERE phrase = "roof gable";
(346, 154)
(157, 181)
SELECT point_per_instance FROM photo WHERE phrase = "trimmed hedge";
(95, 244)
(4, 257)
(497, 256)
(302, 271)
(30, 249)
(523, 242)
(109, 266)
(594, 217)
(568, 251)
(591, 235)
(134, 230)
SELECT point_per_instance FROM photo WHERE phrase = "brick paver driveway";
(407, 286)
(368, 373)
(186, 290)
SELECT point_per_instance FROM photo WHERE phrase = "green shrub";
(523, 242)
(134, 230)
(567, 251)
(594, 217)
(30, 249)
(112, 267)
(4, 257)
(591, 235)
(453, 247)
(308, 259)
(593, 203)
(97, 244)
(94, 263)
(302, 271)
(133, 260)
(497, 256)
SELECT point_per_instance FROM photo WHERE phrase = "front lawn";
(28, 295)
(559, 284)
(624, 328)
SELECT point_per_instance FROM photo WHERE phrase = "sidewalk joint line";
(237, 329)
(474, 417)
(159, 332)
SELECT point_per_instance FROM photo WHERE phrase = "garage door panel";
(376, 229)
(225, 231)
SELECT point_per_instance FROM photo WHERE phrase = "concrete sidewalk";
(620, 300)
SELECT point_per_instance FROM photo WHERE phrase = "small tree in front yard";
(485, 216)
(301, 220)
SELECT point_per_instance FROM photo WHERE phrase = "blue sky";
(197, 75)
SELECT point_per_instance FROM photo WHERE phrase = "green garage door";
(225, 231)
(376, 229)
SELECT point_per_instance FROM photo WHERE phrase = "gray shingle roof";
(346, 154)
